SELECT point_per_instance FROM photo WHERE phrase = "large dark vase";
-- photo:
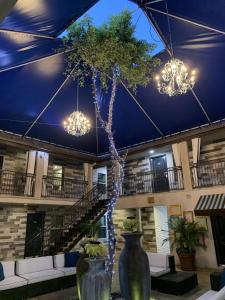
(81, 268)
(134, 270)
(96, 282)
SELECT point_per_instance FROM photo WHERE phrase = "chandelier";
(175, 78)
(77, 123)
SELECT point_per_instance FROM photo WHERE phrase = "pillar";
(88, 175)
(184, 156)
(41, 171)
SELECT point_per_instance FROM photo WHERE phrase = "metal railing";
(16, 183)
(209, 173)
(58, 187)
(153, 182)
(63, 231)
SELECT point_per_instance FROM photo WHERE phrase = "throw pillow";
(71, 259)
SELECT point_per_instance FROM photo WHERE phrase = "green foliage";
(130, 225)
(95, 249)
(185, 235)
(112, 45)
(90, 230)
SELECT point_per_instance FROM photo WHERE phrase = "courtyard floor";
(203, 286)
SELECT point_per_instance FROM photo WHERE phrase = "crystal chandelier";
(175, 79)
(76, 123)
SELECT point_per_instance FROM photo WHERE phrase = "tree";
(110, 55)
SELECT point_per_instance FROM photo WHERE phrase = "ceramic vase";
(134, 270)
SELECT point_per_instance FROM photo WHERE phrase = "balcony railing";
(153, 182)
(58, 187)
(16, 183)
(209, 173)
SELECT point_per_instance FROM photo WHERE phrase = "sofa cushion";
(71, 259)
(12, 282)
(207, 296)
(222, 279)
(9, 268)
(158, 260)
(59, 261)
(68, 271)
(32, 265)
(2, 277)
(157, 271)
(42, 276)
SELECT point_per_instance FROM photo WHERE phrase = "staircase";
(64, 232)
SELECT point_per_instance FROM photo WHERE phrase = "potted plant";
(185, 236)
(134, 270)
(90, 232)
(96, 282)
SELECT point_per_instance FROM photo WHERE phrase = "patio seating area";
(112, 150)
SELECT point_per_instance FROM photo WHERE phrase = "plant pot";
(96, 282)
(134, 270)
(82, 267)
(187, 261)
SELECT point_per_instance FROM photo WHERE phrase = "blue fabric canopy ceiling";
(31, 72)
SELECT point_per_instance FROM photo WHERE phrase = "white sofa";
(159, 264)
(213, 295)
(59, 264)
(37, 269)
(11, 281)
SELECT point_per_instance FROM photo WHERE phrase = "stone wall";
(13, 222)
(74, 171)
(147, 224)
(14, 160)
(148, 229)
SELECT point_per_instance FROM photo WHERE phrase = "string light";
(175, 78)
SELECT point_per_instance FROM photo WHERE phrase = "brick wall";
(13, 222)
(15, 160)
(147, 223)
(70, 171)
(148, 229)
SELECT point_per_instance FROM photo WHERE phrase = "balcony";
(209, 173)
(16, 183)
(57, 187)
(153, 182)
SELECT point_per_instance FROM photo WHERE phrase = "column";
(196, 155)
(88, 175)
(41, 171)
(31, 159)
(184, 156)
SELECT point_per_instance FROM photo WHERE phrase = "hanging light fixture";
(175, 78)
(77, 123)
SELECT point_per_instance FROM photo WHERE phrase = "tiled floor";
(203, 286)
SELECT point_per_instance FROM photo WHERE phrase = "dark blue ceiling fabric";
(27, 89)
(19, 48)
(46, 17)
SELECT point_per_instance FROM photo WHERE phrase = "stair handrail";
(97, 188)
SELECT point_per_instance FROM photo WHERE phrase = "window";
(57, 177)
(102, 232)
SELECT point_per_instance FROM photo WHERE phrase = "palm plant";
(185, 236)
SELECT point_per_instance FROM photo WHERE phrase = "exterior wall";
(187, 200)
(212, 151)
(147, 225)
(70, 171)
(13, 222)
(118, 217)
(148, 229)
(14, 160)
